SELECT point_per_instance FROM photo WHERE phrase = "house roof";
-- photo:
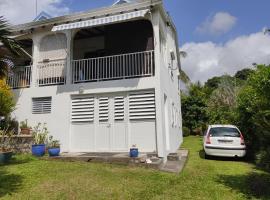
(42, 16)
(91, 14)
(121, 2)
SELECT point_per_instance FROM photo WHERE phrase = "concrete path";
(176, 165)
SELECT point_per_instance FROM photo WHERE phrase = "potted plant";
(40, 135)
(5, 145)
(25, 129)
(134, 151)
(53, 147)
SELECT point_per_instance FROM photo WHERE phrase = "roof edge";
(140, 4)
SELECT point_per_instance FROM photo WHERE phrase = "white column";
(69, 36)
(36, 46)
(159, 95)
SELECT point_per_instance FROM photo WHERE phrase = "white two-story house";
(103, 80)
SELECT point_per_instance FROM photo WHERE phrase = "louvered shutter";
(103, 109)
(142, 106)
(41, 105)
(82, 110)
(119, 111)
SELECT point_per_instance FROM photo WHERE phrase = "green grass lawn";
(29, 178)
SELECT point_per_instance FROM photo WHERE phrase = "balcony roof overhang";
(82, 16)
(102, 21)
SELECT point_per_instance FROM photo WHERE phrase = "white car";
(224, 141)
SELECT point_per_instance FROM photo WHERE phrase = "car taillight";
(208, 139)
(242, 139)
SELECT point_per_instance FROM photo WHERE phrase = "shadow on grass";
(9, 183)
(251, 185)
(202, 156)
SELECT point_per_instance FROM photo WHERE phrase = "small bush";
(10, 124)
(197, 131)
(262, 159)
(6, 99)
(186, 131)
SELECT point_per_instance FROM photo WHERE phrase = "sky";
(219, 36)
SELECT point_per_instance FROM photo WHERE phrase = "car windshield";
(224, 132)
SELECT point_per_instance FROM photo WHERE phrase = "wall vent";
(119, 108)
(41, 105)
(103, 109)
(82, 110)
(142, 106)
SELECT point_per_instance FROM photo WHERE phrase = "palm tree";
(8, 47)
(183, 76)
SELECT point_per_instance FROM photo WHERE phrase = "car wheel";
(206, 156)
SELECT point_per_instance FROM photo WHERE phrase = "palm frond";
(5, 39)
(184, 77)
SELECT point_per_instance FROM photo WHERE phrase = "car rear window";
(224, 132)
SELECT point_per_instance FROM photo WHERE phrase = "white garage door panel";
(119, 139)
(113, 122)
(82, 137)
(143, 135)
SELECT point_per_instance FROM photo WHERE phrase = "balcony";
(51, 73)
(116, 67)
(124, 66)
(20, 77)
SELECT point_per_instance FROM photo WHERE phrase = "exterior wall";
(58, 121)
(167, 87)
(165, 83)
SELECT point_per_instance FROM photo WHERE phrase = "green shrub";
(186, 131)
(6, 99)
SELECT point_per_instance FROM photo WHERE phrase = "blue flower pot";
(5, 157)
(38, 150)
(134, 152)
(54, 152)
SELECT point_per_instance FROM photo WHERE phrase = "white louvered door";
(113, 122)
(82, 124)
(119, 125)
(103, 137)
(142, 120)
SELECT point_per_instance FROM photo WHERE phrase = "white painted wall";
(164, 83)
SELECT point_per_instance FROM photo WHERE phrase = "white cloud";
(21, 11)
(220, 23)
(208, 59)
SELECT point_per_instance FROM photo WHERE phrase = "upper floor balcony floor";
(110, 52)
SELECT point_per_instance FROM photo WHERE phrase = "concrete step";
(177, 165)
(174, 156)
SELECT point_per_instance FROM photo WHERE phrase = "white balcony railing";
(124, 66)
(51, 73)
(19, 77)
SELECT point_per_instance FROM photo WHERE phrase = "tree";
(183, 76)
(194, 108)
(222, 102)
(9, 48)
(254, 113)
(243, 74)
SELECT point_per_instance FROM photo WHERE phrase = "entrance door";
(111, 132)
(104, 123)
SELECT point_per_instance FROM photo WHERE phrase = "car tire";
(206, 156)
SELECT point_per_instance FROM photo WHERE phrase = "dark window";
(224, 132)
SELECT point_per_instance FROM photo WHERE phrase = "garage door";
(113, 122)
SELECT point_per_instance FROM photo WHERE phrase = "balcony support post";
(69, 35)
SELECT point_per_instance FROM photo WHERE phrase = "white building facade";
(103, 80)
